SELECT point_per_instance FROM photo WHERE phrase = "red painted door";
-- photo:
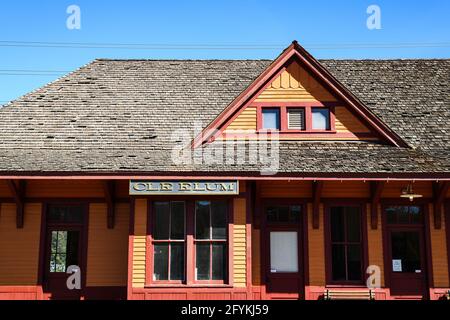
(408, 263)
(283, 252)
(64, 248)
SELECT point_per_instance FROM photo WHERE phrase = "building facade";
(350, 198)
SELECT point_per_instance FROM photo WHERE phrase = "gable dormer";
(300, 100)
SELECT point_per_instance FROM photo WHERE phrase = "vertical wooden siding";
(239, 243)
(347, 189)
(285, 189)
(19, 248)
(375, 242)
(438, 253)
(107, 248)
(139, 243)
(316, 249)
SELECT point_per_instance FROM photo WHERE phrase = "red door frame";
(44, 243)
(425, 229)
(447, 231)
(302, 229)
(357, 203)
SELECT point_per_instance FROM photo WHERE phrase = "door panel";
(63, 250)
(408, 274)
(283, 249)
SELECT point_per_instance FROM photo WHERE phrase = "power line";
(160, 46)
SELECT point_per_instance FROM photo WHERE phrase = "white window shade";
(283, 252)
(296, 119)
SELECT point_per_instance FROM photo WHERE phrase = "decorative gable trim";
(264, 80)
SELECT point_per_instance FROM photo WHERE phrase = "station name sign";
(140, 187)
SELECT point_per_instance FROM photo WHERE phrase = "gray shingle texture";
(119, 115)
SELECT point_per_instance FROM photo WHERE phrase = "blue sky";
(241, 23)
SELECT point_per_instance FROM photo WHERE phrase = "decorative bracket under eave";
(376, 188)
(110, 197)
(18, 193)
(439, 192)
(317, 187)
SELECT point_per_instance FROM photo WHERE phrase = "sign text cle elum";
(139, 187)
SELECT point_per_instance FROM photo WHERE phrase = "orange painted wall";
(439, 253)
(393, 189)
(284, 189)
(256, 257)
(375, 242)
(316, 250)
(19, 248)
(346, 189)
(72, 188)
(107, 248)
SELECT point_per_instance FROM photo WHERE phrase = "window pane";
(161, 220)
(403, 214)
(177, 220)
(65, 214)
(160, 260)
(295, 213)
(61, 246)
(177, 261)
(391, 215)
(415, 214)
(202, 220)
(337, 224)
(338, 262)
(271, 118)
(406, 250)
(354, 262)
(218, 261)
(296, 118)
(60, 262)
(73, 238)
(353, 217)
(202, 262)
(283, 252)
(219, 212)
(320, 118)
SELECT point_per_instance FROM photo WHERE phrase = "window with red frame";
(346, 250)
(189, 231)
(169, 241)
(287, 118)
(210, 240)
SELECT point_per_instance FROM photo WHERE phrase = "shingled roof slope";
(119, 115)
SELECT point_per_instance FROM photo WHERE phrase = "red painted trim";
(189, 280)
(42, 266)
(425, 227)
(447, 233)
(249, 201)
(131, 248)
(364, 244)
(322, 75)
(302, 228)
(284, 128)
(396, 176)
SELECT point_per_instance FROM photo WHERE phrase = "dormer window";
(271, 119)
(296, 118)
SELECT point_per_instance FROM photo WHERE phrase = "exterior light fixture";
(408, 192)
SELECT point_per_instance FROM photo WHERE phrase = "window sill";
(262, 131)
(346, 285)
(168, 285)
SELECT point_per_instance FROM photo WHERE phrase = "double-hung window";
(345, 244)
(189, 241)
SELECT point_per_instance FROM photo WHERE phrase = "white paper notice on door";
(397, 265)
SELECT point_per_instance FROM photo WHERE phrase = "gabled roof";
(117, 116)
(297, 52)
